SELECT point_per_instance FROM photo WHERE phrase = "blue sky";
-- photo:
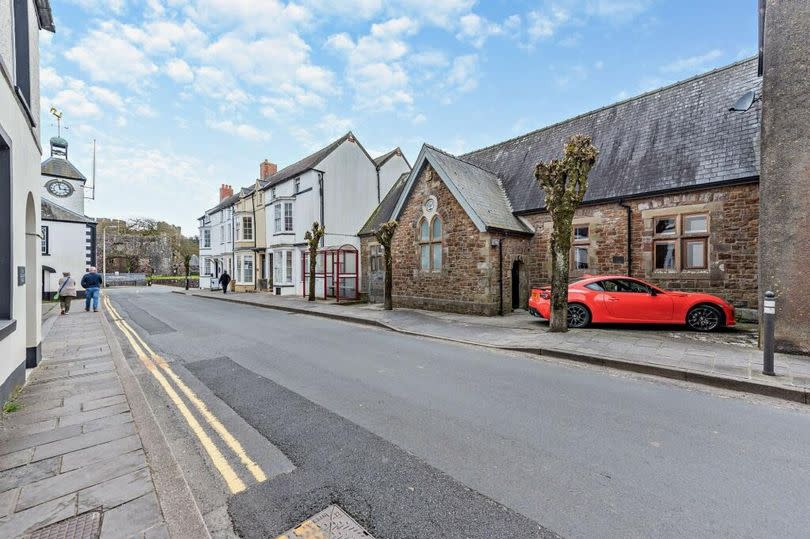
(183, 95)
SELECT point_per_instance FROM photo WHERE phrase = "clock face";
(59, 188)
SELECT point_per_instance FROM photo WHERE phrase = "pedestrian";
(225, 280)
(91, 282)
(67, 291)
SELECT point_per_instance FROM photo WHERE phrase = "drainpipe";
(379, 195)
(320, 192)
(255, 242)
(629, 236)
(500, 276)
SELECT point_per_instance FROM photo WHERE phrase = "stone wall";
(469, 279)
(465, 281)
(732, 242)
(137, 254)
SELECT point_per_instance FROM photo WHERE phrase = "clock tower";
(62, 183)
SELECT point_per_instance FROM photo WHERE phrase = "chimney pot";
(225, 191)
(267, 169)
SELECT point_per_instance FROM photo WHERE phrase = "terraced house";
(673, 198)
(261, 228)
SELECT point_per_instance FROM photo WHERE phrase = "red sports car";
(625, 300)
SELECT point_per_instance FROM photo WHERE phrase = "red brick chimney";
(225, 191)
(267, 169)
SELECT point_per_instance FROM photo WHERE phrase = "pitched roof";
(381, 160)
(384, 211)
(52, 211)
(61, 168)
(478, 191)
(680, 136)
(307, 163)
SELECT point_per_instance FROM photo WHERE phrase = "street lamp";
(104, 251)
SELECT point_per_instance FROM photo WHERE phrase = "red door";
(630, 300)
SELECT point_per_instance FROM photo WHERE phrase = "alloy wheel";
(578, 316)
(703, 318)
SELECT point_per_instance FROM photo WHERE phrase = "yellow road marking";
(235, 484)
(212, 420)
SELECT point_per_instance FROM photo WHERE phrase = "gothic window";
(430, 244)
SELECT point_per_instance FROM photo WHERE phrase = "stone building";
(673, 198)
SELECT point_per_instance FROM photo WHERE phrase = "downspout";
(320, 192)
(500, 276)
(255, 242)
(378, 185)
(629, 236)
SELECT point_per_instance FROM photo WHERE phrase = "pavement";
(727, 359)
(396, 429)
(73, 460)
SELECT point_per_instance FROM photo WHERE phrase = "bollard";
(768, 315)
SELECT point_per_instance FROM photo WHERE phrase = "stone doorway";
(520, 286)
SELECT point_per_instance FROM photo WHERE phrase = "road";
(412, 432)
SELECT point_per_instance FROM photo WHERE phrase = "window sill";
(7, 327)
(684, 274)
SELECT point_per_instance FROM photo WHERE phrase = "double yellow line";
(156, 365)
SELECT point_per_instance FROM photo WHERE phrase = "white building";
(216, 239)
(338, 186)
(20, 154)
(68, 235)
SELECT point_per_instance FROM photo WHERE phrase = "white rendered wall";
(390, 173)
(67, 248)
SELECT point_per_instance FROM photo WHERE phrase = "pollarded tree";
(313, 238)
(564, 182)
(384, 235)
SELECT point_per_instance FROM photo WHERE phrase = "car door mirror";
(653, 292)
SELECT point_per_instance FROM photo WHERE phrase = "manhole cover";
(331, 523)
(84, 526)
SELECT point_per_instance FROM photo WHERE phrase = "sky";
(184, 95)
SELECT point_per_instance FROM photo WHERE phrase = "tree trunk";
(560, 252)
(389, 277)
(313, 258)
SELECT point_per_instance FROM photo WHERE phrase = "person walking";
(91, 282)
(67, 291)
(225, 280)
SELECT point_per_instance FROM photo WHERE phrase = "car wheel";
(578, 315)
(704, 318)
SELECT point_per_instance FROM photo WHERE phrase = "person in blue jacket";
(91, 282)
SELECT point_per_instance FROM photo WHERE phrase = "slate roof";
(384, 211)
(307, 163)
(45, 15)
(380, 161)
(478, 191)
(681, 136)
(61, 168)
(54, 212)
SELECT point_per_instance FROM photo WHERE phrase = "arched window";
(430, 244)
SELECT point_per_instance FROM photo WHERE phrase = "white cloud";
(329, 128)
(250, 16)
(463, 75)
(476, 29)
(543, 24)
(245, 131)
(619, 10)
(49, 79)
(351, 9)
(692, 63)
(215, 83)
(108, 57)
(179, 71)
(116, 7)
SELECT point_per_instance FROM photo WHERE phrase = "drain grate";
(331, 523)
(84, 526)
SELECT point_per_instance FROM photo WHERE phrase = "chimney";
(267, 169)
(225, 191)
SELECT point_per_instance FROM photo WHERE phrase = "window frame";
(288, 216)
(679, 238)
(376, 258)
(580, 243)
(206, 238)
(22, 50)
(431, 243)
(297, 185)
(7, 279)
(245, 228)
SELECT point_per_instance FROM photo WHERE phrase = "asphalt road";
(580, 451)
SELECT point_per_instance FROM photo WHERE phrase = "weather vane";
(58, 115)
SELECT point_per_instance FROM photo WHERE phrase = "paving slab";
(132, 518)
(74, 445)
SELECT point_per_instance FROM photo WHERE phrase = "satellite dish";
(744, 103)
